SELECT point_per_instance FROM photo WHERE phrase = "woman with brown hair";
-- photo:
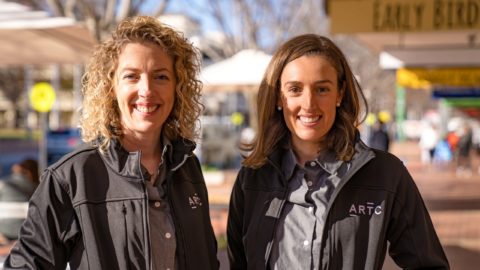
(134, 197)
(311, 195)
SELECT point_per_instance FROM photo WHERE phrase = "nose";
(144, 89)
(308, 99)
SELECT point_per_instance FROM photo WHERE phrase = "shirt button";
(168, 235)
(309, 183)
(310, 209)
(157, 204)
(305, 243)
(313, 163)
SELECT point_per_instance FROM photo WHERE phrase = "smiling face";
(144, 88)
(309, 95)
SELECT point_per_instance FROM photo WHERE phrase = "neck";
(151, 148)
(305, 151)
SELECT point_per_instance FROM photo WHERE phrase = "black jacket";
(90, 211)
(375, 202)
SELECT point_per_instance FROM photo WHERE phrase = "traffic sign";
(42, 97)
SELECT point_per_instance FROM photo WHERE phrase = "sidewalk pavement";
(453, 202)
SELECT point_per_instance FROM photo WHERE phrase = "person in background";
(312, 195)
(429, 139)
(379, 139)
(15, 191)
(464, 147)
(134, 196)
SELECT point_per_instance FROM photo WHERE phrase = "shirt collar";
(329, 162)
(326, 160)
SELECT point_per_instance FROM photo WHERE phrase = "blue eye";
(130, 76)
(162, 77)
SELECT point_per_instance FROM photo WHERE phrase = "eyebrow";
(127, 68)
(316, 82)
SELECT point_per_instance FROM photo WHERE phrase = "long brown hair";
(272, 128)
(100, 113)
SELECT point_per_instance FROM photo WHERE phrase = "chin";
(146, 128)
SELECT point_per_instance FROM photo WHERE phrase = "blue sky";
(185, 7)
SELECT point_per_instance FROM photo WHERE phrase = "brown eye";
(322, 90)
(294, 89)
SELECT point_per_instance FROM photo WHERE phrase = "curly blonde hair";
(100, 118)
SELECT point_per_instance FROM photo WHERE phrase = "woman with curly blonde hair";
(129, 197)
(100, 112)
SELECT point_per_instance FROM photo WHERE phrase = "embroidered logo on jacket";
(366, 209)
(194, 201)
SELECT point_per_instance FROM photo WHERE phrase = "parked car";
(14, 150)
(61, 142)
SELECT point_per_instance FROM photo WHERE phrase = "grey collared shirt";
(162, 230)
(298, 234)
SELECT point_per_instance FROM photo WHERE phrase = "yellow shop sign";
(354, 16)
(427, 78)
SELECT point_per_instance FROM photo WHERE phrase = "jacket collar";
(128, 164)
(361, 156)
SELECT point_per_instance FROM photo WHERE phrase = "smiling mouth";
(309, 120)
(146, 109)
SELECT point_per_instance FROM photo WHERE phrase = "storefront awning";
(31, 37)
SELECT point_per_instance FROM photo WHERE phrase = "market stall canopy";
(243, 71)
(31, 37)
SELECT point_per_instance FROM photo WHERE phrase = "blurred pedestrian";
(452, 140)
(134, 197)
(311, 195)
(429, 139)
(379, 138)
(464, 147)
(15, 191)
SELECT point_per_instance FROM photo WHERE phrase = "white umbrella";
(243, 70)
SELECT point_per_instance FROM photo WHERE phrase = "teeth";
(309, 119)
(146, 109)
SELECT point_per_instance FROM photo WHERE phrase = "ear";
(340, 94)
(279, 101)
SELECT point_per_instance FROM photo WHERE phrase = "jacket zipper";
(146, 224)
(279, 210)
(364, 159)
(124, 211)
(176, 224)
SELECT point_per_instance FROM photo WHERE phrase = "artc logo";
(367, 209)
(194, 201)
